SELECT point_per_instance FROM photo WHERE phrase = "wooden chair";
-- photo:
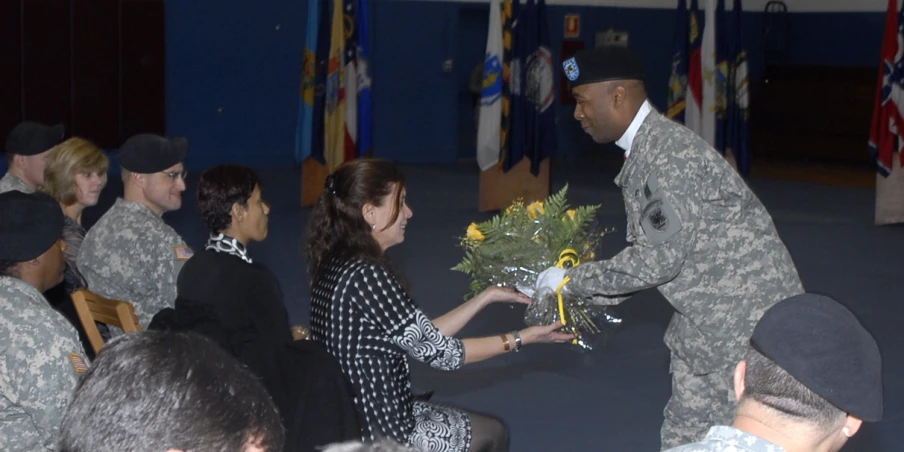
(95, 308)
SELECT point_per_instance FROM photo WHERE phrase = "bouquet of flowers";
(514, 246)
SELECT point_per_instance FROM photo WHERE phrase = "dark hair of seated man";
(156, 391)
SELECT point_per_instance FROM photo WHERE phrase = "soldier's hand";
(550, 279)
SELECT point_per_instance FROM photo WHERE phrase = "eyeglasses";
(174, 174)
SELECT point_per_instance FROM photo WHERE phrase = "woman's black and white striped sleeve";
(385, 303)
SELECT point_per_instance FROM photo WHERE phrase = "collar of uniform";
(627, 139)
(739, 440)
(17, 183)
(11, 284)
(137, 207)
(642, 155)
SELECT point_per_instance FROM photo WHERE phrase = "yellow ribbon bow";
(567, 259)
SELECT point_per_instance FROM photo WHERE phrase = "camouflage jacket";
(9, 183)
(130, 254)
(722, 438)
(701, 237)
(40, 359)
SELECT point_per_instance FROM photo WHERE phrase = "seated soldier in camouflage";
(27, 148)
(810, 378)
(40, 353)
(131, 254)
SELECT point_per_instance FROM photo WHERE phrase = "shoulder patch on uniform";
(78, 361)
(659, 221)
(183, 253)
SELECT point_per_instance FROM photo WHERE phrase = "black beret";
(821, 343)
(31, 223)
(602, 64)
(31, 138)
(148, 153)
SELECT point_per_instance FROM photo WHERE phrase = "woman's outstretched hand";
(505, 294)
(545, 334)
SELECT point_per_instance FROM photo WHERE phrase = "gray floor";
(557, 399)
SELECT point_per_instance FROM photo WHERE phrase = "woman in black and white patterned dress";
(362, 314)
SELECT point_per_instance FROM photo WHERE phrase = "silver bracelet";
(517, 335)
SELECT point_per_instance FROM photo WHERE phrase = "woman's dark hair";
(337, 229)
(220, 188)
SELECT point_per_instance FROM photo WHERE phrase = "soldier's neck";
(761, 422)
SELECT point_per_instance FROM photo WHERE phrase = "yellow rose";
(474, 233)
(535, 209)
(571, 213)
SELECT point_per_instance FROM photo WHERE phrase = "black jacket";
(239, 305)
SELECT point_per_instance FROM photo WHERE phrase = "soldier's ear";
(141, 180)
(740, 375)
(18, 161)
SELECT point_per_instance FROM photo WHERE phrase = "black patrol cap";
(821, 343)
(603, 64)
(31, 223)
(147, 153)
(32, 138)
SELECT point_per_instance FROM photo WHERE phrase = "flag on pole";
(708, 62)
(518, 134)
(884, 140)
(542, 88)
(304, 125)
(722, 72)
(738, 100)
(508, 19)
(318, 121)
(365, 102)
(490, 122)
(351, 80)
(693, 117)
(678, 78)
(335, 91)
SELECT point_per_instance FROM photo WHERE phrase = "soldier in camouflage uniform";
(27, 148)
(131, 254)
(40, 352)
(812, 375)
(697, 233)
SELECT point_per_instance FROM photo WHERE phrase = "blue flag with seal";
(517, 146)
(304, 125)
(533, 89)
(680, 60)
(738, 140)
(542, 88)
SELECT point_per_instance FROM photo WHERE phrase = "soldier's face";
(594, 111)
(53, 265)
(164, 189)
(33, 168)
(255, 221)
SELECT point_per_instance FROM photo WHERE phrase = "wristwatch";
(517, 335)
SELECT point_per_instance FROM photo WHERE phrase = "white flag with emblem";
(490, 124)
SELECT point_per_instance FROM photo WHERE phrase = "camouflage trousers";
(698, 402)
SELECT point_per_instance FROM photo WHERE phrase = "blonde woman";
(75, 174)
